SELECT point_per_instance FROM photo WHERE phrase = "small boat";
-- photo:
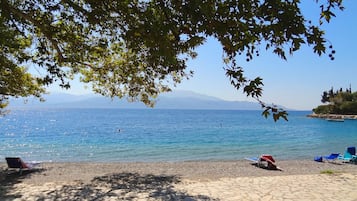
(335, 119)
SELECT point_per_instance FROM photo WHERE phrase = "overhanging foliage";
(136, 49)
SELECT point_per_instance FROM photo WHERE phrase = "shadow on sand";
(121, 186)
(265, 167)
(8, 178)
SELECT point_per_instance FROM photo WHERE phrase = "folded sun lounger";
(332, 157)
(253, 159)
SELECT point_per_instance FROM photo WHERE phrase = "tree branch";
(42, 29)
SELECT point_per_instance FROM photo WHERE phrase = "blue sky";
(296, 83)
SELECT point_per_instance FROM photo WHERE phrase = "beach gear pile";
(349, 156)
(265, 161)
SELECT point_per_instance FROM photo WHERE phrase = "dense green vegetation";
(338, 102)
(138, 49)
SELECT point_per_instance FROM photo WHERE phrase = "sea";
(157, 135)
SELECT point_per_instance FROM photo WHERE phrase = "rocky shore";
(333, 116)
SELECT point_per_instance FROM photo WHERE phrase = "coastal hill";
(338, 102)
(173, 100)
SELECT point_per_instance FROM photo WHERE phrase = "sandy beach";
(195, 180)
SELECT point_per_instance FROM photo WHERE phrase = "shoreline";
(333, 116)
(193, 180)
(67, 171)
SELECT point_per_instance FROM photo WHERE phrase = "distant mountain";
(191, 100)
(173, 100)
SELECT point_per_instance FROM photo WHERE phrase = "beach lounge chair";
(332, 157)
(348, 155)
(354, 160)
(18, 163)
(351, 150)
(318, 159)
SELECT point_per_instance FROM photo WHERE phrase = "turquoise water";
(97, 135)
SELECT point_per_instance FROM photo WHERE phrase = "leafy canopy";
(137, 49)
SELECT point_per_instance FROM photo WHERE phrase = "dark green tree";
(340, 102)
(325, 97)
(136, 48)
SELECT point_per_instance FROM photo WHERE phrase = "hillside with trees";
(341, 101)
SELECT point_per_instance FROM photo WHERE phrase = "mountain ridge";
(172, 100)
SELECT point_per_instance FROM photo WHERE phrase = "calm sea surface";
(99, 135)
